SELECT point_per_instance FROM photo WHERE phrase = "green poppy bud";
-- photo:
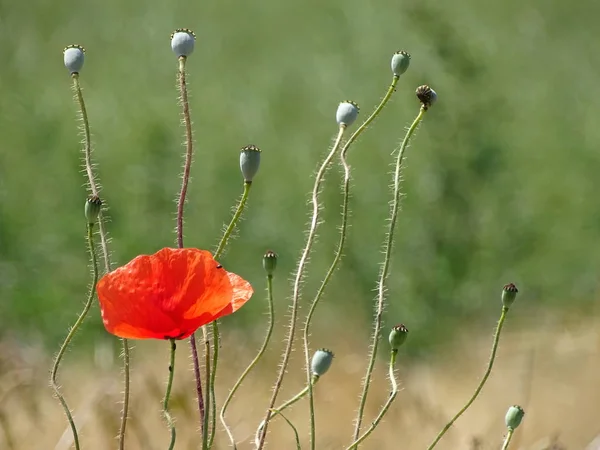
(74, 56)
(182, 42)
(514, 416)
(397, 336)
(93, 205)
(509, 294)
(321, 362)
(347, 113)
(249, 162)
(270, 262)
(426, 96)
(400, 62)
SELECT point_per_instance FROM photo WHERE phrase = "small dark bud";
(321, 362)
(93, 205)
(249, 162)
(400, 62)
(509, 294)
(270, 262)
(397, 337)
(426, 96)
(514, 416)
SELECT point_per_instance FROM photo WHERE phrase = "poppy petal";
(242, 291)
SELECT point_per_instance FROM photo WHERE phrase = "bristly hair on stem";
(71, 334)
(385, 267)
(189, 153)
(104, 239)
(298, 279)
(166, 413)
(340, 248)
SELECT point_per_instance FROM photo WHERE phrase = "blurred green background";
(500, 182)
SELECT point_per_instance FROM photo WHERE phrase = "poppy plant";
(169, 295)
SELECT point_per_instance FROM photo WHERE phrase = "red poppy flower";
(169, 295)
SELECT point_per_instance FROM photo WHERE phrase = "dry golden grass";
(552, 372)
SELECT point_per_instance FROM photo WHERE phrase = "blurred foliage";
(500, 179)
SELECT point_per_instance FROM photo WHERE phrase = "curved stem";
(285, 405)
(189, 153)
(215, 325)
(69, 338)
(298, 279)
(509, 436)
(93, 185)
(296, 437)
(251, 366)
(481, 383)
(166, 412)
(385, 407)
(340, 248)
(383, 274)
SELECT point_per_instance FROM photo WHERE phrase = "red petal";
(242, 291)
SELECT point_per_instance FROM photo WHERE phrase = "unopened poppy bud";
(249, 162)
(347, 113)
(397, 337)
(426, 96)
(74, 56)
(321, 362)
(509, 294)
(93, 205)
(400, 62)
(270, 262)
(514, 416)
(182, 41)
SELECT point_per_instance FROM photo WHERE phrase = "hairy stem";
(251, 366)
(340, 248)
(189, 153)
(486, 375)
(298, 279)
(283, 406)
(508, 438)
(385, 407)
(207, 394)
(296, 437)
(384, 273)
(166, 412)
(71, 334)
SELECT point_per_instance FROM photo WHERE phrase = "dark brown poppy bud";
(426, 96)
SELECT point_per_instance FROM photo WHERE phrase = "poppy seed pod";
(347, 113)
(509, 294)
(397, 336)
(321, 362)
(249, 162)
(74, 56)
(93, 205)
(400, 62)
(426, 96)
(270, 262)
(182, 41)
(514, 416)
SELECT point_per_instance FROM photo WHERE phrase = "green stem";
(251, 366)
(166, 412)
(298, 280)
(509, 436)
(340, 248)
(93, 185)
(207, 394)
(215, 326)
(296, 437)
(285, 405)
(385, 407)
(481, 383)
(384, 272)
(71, 334)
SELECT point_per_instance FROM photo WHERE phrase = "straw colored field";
(553, 372)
